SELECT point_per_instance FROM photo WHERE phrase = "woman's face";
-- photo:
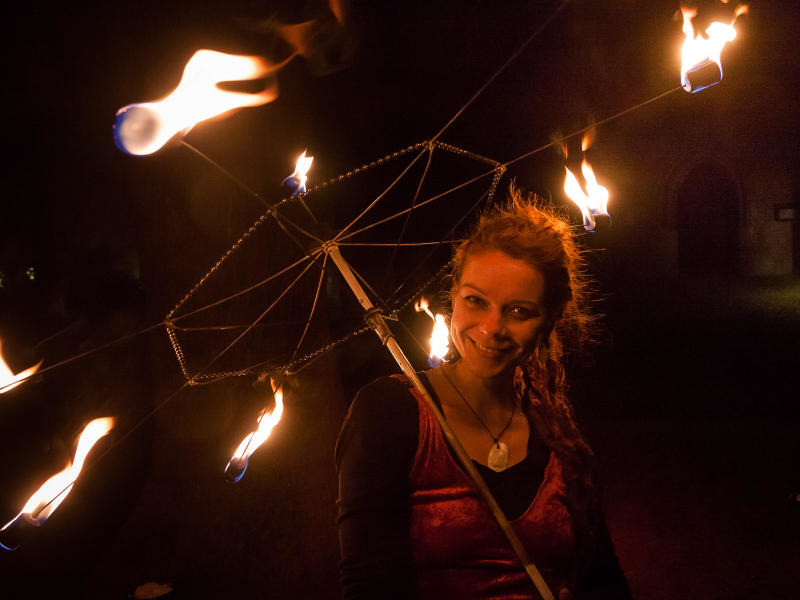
(498, 313)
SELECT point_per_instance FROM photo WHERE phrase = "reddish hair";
(528, 229)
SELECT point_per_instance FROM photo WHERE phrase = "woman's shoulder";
(396, 385)
(383, 414)
(382, 395)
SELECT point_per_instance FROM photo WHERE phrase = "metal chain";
(291, 369)
(463, 152)
(498, 174)
(173, 337)
(499, 171)
(369, 165)
(176, 347)
(287, 369)
(411, 297)
(251, 230)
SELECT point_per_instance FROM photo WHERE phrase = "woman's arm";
(374, 455)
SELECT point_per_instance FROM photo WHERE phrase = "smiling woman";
(411, 523)
(498, 314)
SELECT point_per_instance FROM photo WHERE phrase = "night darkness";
(688, 397)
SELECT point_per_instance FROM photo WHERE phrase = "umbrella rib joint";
(377, 321)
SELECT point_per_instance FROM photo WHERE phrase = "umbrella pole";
(378, 323)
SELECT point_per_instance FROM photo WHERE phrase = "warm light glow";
(144, 128)
(266, 422)
(593, 201)
(298, 179)
(587, 140)
(8, 380)
(440, 337)
(53, 491)
(440, 340)
(700, 50)
(421, 306)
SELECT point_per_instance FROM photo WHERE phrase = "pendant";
(498, 457)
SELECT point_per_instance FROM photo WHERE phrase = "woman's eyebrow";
(523, 300)
(474, 287)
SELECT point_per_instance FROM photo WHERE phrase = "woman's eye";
(521, 313)
(473, 300)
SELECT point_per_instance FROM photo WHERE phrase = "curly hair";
(529, 229)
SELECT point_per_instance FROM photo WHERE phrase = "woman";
(411, 523)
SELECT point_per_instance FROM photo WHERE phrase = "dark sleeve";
(374, 455)
(603, 579)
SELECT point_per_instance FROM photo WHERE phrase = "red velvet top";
(459, 549)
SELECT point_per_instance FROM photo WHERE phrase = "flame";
(251, 442)
(588, 139)
(8, 380)
(698, 49)
(440, 337)
(144, 128)
(593, 201)
(421, 306)
(297, 180)
(53, 491)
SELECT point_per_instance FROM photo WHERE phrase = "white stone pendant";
(498, 457)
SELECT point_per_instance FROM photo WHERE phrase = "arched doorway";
(708, 222)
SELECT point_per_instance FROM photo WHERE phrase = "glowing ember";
(701, 64)
(266, 422)
(593, 201)
(440, 338)
(297, 180)
(8, 380)
(144, 128)
(52, 493)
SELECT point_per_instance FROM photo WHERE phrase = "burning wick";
(144, 128)
(8, 380)
(52, 493)
(594, 200)
(440, 339)
(701, 65)
(296, 182)
(237, 465)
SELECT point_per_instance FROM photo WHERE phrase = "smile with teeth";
(490, 350)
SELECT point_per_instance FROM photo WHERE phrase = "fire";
(53, 491)
(587, 140)
(8, 380)
(421, 306)
(701, 64)
(592, 199)
(440, 338)
(297, 180)
(145, 127)
(266, 422)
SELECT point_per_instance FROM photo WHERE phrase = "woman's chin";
(484, 368)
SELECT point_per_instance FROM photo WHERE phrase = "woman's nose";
(493, 324)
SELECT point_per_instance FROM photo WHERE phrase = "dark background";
(689, 400)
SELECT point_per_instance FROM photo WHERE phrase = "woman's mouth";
(489, 351)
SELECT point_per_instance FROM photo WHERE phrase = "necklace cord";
(495, 439)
